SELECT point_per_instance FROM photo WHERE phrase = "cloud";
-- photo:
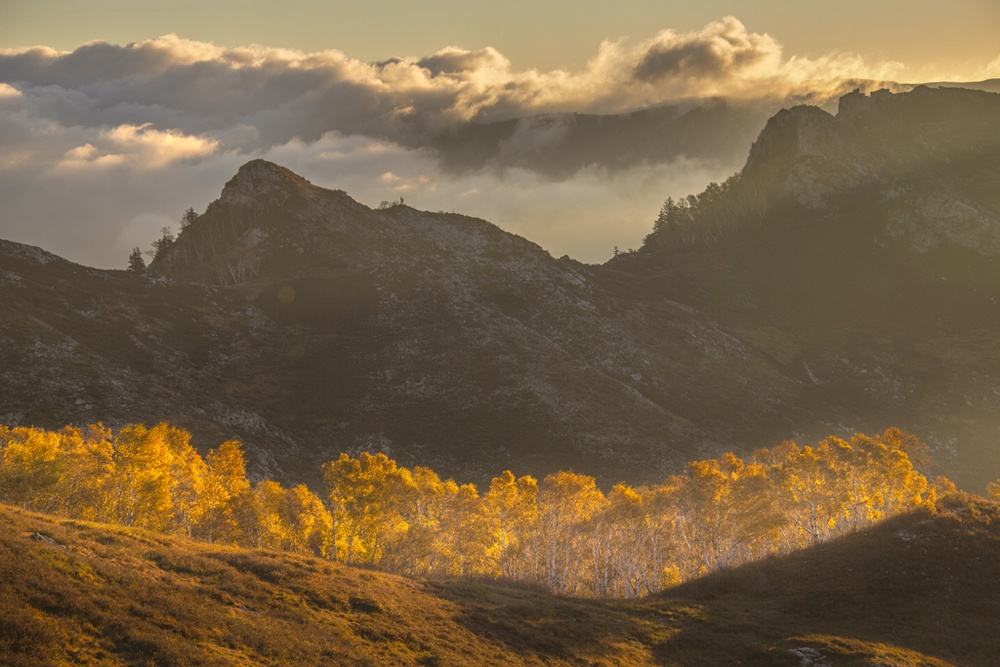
(140, 144)
(992, 70)
(585, 216)
(198, 88)
(106, 143)
(723, 49)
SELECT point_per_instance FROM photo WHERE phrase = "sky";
(116, 116)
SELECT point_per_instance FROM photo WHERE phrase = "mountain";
(307, 324)
(860, 253)
(717, 131)
(560, 144)
(843, 281)
(921, 589)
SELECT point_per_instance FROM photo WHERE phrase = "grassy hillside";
(923, 589)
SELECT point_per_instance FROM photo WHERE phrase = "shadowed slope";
(920, 590)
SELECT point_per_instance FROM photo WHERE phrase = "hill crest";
(918, 590)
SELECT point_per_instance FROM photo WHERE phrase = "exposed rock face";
(259, 184)
(811, 157)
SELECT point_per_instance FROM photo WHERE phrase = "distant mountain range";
(844, 280)
(719, 131)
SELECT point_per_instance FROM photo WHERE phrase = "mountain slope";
(860, 252)
(919, 590)
(307, 324)
(844, 281)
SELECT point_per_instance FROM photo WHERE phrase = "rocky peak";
(857, 103)
(260, 183)
(791, 134)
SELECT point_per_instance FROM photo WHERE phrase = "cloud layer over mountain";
(105, 144)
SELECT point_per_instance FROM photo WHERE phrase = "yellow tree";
(187, 474)
(261, 517)
(89, 455)
(466, 530)
(623, 527)
(813, 494)
(660, 538)
(310, 525)
(510, 509)
(423, 547)
(368, 497)
(32, 468)
(725, 514)
(882, 480)
(272, 517)
(224, 488)
(158, 477)
(567, 502)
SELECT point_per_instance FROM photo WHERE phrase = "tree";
(188, 217)
(225, 487)
(369, 498)
(567, 502)
(32, 468)
(158, 477)
(136, 263)
(162, 244)
(511, 514)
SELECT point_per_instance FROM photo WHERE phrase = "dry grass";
(920, 590)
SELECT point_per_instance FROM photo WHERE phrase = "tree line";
(718, 211)
(563, 532)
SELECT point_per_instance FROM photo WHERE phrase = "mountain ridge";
(306, 323)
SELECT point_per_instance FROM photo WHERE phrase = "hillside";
(921, 589)
(859, 252)
(844, 281)
(307, 324)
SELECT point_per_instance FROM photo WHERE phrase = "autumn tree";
(32, 468)
(567, 503)
(511, 514)
(225, 487)
(90, 470)
(368, 499)
(158, 477)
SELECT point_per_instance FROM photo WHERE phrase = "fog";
(104, 145)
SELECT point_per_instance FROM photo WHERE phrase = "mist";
(106, 144)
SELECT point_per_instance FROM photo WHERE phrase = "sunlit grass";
(918, 590)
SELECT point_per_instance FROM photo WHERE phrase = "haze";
(119, 116)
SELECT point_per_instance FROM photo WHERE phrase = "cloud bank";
(104, 145)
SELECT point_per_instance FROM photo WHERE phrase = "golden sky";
(932, 39)
(118, 115)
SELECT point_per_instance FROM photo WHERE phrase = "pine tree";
(188, 217)
(161, 244)
(135, 261)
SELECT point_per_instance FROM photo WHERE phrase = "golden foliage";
(564, 534)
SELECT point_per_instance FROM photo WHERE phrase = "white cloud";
(107, 140)
(142, 145)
